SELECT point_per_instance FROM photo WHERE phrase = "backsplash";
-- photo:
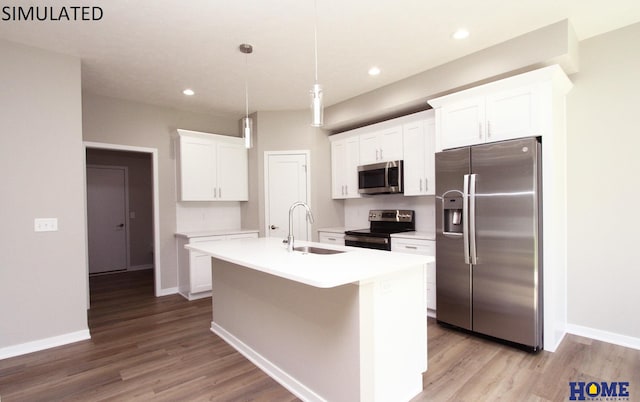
(356, 210)
(197, 216)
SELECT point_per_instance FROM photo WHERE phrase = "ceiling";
(150, 50)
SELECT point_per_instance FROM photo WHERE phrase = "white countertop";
(270, 255)
(415, 235)
(216, 232)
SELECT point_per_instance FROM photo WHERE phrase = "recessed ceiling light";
(188, 92)
(374, 70)
(460, 34)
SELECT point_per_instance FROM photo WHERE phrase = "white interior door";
(106, 215)
(286, 181)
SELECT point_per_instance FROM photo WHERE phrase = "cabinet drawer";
(423, 247)
(331, 238)
(205, 239)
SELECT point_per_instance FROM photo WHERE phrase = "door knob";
(273, 227)
(120, 225)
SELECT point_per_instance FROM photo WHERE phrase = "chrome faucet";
(289, 239)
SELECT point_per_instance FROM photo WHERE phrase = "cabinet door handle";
(331, 238)
(420, 185)
(480, 130)
(411, 247)
(215, 192)
(377, 157)
(220, 192)
(488, 129)
(381, 157)
(426, 187)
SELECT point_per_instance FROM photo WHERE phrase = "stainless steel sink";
(316, 250)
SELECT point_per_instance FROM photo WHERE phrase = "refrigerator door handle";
(472, 219)
(465, 218)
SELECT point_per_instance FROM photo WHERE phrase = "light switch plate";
(46, 224)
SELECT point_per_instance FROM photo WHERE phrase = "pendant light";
(247, 122)
(317, 108)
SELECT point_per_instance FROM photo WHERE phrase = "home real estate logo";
(599, 391)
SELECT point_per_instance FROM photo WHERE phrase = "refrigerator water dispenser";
(452, 214)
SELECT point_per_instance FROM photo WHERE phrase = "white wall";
(115, 121)
(42, 275)
(197, 216)
(603, 185)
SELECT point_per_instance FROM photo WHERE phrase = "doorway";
(145, 254)
(107, 223)
(287, 180)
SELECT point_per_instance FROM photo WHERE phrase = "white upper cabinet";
(513, 114)
(383, 142)
(381, 145)
(463, 123)
(212, 167)
(232, 169)
(500, 116)
(345, 157)
(419, 156)
(514, 107)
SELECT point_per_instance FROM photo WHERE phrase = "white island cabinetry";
(194, 268)
(338, 327)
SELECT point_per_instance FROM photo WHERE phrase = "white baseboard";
(195, 296)
(140, 267)
(41, 344)
(167, 291)
(605, 336)
(273, 371)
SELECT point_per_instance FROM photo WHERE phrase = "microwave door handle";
(465, 218)
(386, 175)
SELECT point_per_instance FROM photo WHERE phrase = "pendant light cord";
(315, 35)
(246, 85)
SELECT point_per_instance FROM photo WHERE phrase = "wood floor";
(147, 348)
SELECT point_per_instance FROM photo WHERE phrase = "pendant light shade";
(317, 106)
(247, 122)
(247, 128)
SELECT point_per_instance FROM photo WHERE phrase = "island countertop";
(270, 255)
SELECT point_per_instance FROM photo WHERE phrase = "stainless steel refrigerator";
(489, 240)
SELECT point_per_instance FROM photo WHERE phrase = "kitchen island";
(339, 327)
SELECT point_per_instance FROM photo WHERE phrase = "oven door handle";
(366, 239)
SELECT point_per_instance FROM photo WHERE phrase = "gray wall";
(603, 186)
(122, 122)
(281, 131)
(140, 189)
(42, 275)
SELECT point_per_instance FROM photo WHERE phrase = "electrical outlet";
(46, 224)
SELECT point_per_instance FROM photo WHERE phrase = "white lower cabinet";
(422, 247)
(194, 268)
(331, 238)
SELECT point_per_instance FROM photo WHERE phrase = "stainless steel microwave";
(381, 178)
